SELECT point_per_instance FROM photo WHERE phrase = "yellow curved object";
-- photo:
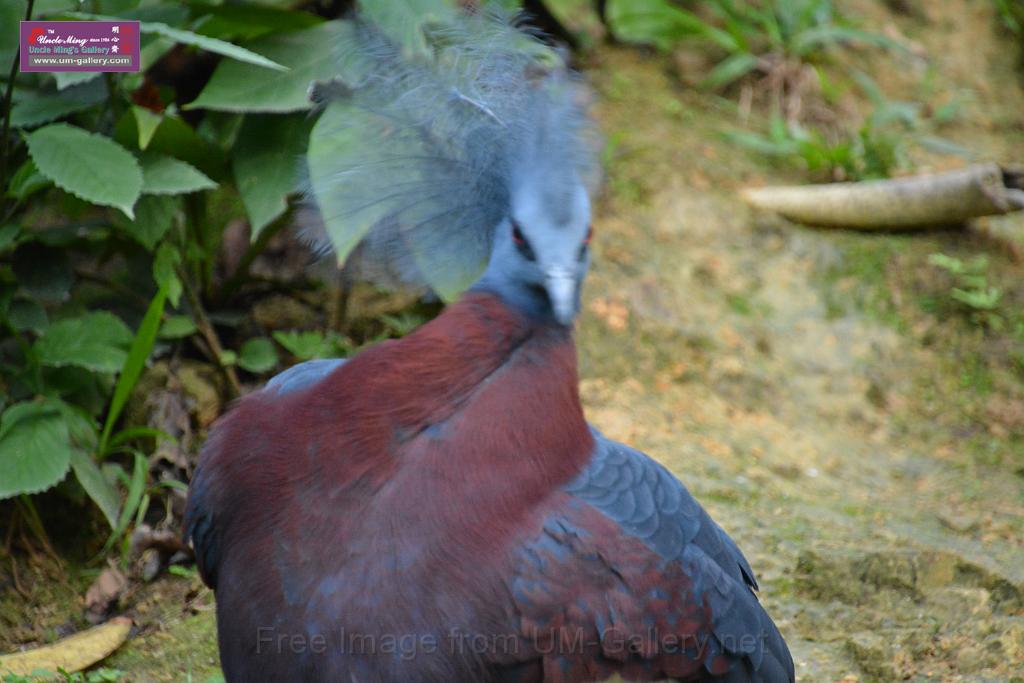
(73, 653)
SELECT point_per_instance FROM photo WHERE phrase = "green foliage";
(100, 675)
(239, 87)
(752, 36)
(258, 355)
(35, 447)
(310, 345)
(878, 148)
(110, 178)
(971, 292)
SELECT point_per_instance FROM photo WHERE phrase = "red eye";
(517, 236)
(590, 235)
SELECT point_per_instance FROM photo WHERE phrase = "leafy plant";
(878, 148)
(117, 191)
(773, 38)
(971, 290)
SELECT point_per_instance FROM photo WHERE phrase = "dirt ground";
(863, 446)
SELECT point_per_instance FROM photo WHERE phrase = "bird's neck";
(481, 371)
(530, 302)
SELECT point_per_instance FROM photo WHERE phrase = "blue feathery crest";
(416, 157)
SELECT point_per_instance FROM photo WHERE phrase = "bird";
(437, 507)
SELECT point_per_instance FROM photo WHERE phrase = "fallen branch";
(71, 654)
(923, 201)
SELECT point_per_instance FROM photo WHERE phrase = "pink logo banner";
(80, 46)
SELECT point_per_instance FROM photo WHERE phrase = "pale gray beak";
(561, 286)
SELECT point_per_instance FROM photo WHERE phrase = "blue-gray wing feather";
(303, 375)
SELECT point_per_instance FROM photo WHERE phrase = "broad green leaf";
(25, 315)
(95, 341)
(138, 352)
(147, 122)
(27, 181)
(257, 355)
(267, 164)
(89, 166)
(662, 24)
(247, 21)
(66, 79)
(38, 108)
(165, 274)
(214, 45)
(405, 21)
(154, 215)
(220, 47)
(97, 486)
(177, 139)
(303, 345)
(243, 88)
(167, 175)
(176, 327)
(35, 450)
(43, 8)
(11, 12)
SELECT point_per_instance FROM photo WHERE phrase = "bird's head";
(541, 250)
(477, 160)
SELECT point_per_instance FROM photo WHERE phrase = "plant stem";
(209, 335)
(5, 141)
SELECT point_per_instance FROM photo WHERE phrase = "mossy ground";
(860, 437)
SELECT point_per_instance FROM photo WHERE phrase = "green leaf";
(27, 181)
(405, 21)
(729, 70)
(660, 23)
(11, 12)
(147, 122)
(154, 215)
(164, 273)
(37, 108)
(175, 138)
(167, 175)
(35, 451)
(242, 88)
(257, 355)
(89, 166)
(303, 345)
(136, 488)
(27, 315)
(66, 79)
(177, 327)
(214, 45)
(249, 21)
(95, 341)
(99, 489)
(814, 38)
(267, 164)
(138, 352)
